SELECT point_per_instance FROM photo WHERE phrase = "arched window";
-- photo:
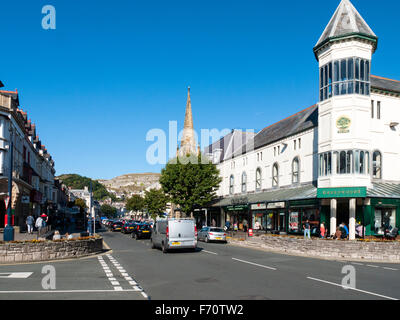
(231, 184)
(295, 170)
(367, 164)
(342, 162)
(258, 179)
(275, 175)
(377, 165)
(244, 182)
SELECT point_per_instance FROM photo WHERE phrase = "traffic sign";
(7, 201)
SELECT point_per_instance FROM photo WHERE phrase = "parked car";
(141, 231)
(173, 233)
(212, 234)
(127, 227)
(116, 226)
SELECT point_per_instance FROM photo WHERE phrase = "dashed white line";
(350, 288)
(370, 265)
(255, 264)
(387, 268)
(209, 252)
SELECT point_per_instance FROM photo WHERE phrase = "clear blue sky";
(112, 70)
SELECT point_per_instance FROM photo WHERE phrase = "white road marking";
(359, 264)
(209, 252)
(387, 268)
(118, 289)
(144, 295)
(15, 275)
(70, 291)
(370, 265)
(349, 288)
(255, 264)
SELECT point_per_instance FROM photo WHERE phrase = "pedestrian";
(214, 223)
(30, 221)
(345, 234)
(227, 225)
(322, 230)
(39, 224)
(56, 235)
(245, 224)
(307, 229)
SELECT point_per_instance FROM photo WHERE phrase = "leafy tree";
(155, 201)
(80, 203)
(135, 203)
(191, 182)
(108, 211)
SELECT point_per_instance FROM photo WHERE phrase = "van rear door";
(181, 233)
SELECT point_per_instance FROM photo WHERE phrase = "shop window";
(258, 179)
(377, 165)
(275, 175)
(295, 170)
(231, 184)
(244, 182)
(385, 219)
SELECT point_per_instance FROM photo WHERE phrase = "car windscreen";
(216, 230)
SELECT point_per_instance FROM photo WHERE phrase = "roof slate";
(385, 84)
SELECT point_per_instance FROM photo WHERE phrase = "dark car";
(116, 226)
(127, 227)
(141, 231)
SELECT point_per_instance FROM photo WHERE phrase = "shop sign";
(258, 206)
(349, 192)
(293, 221)
(343, 124)
(237, 208)
(25, 199)
(276, 205)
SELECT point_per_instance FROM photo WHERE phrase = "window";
(244, 182)
(345, 76)
(299, 143)
(295, 170)
(377, 165)
(258, 179)
(385, 218)
(372, 108)
(274, 151)
(294, 144)
(275, 175)
(378, 110)
(231, 184)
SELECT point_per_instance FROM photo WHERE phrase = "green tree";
(191, 182)
(135, 203)
(108, 211)
(155, 201)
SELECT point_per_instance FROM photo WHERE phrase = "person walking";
(30, 221)
(39, 225)
(322, 230)
(245, 224)
(307, 229)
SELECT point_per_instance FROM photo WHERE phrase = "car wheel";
(132, 235)
(206, 239)
(163, 248)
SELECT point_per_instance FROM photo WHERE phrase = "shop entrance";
(343, 211)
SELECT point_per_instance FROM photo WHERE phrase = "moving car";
(141, 231)
(172, 233)
(128, 227)
(116, 226)
(212, 234)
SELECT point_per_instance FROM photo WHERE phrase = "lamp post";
(9, 229)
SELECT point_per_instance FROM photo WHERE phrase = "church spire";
(188, 143)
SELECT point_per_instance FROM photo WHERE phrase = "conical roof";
(346, 22)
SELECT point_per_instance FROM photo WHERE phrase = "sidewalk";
(372, 251)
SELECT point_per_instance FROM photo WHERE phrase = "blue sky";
(113, 70)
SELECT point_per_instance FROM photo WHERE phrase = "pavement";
(132, 270)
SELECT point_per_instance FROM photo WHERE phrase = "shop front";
(276, 221)
(238, 216)
(259, 216)
(299, 212)
(382, 214)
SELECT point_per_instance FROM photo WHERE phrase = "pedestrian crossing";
(119, 277)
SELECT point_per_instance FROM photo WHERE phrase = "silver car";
(212, 234)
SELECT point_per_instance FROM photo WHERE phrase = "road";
(132, 270)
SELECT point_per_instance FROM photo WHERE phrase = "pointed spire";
(346, 22)
(188, 143)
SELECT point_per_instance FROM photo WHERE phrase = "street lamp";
(9, 229)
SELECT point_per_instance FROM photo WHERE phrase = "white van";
(174, 233)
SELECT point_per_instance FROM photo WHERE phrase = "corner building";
(334, 162)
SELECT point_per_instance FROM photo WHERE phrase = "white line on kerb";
(255, 264)
(209, 252)
(349, 288)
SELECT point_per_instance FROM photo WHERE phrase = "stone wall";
(48, 250)
(330, 249)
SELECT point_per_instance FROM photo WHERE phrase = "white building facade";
(334, 162)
